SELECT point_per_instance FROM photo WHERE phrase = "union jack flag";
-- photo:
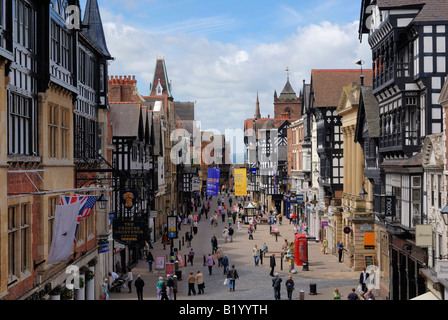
(87, 203)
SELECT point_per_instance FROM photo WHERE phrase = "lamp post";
(102, 201)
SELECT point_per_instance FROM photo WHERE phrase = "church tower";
(287, 105)
(257, 114)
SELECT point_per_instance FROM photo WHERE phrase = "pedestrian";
(200, 282)
(289, 287)
(232, 276)
(219, 256)
(195, 227)
(214, 243)
(105, 289)
(231, 232)
(210, 262)
(139, 284)
(272, 264)
(170, 286)
(129, 278)
(225, 234)
(159, 288)
(336, 294)
(250, 231)
(340, 250)
(363, 281)
(191, 256)
(276, 283)
(150, 260)
(239, 224)
(325, 245)
(165, 240)
(256, 254)
(191, 281)
(225, 264)
(164, 291)
(264, 249)
(146, 249)
(353, 295)
(369, 295)
(189, 238)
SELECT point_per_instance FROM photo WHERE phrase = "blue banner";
(288, 207)
(213, 182)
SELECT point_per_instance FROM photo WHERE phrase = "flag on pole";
(65, 225)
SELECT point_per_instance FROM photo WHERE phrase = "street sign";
(347, 230)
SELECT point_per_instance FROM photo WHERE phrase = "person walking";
(225, 234)
(146, 249)
(165, 240)
(232, 276)
(191, 256)
(189, 238)
(225, 264)
(210, 262)
(191, 281)
(170, 286)
(129, 278)
(336, 294)
(231, 232)
(159, 288)
(363, 281)
(139, 284)
(214, 243)
(276, 283)
(150, 260)
(353, 295)
(219, 256)
(164, 291)
(256, 254)
(325, 246)
(250, 231)
(272, 264)
(340, 250)
(105, 289)
(200, 282)
(289, 287)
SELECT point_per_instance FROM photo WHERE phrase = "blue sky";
(219, 54)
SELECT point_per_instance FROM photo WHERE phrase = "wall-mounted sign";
(369, 240)
(389, 206)
(423, 235)
(347, 230)
(172, 226)
(128, 232)
(442, 269)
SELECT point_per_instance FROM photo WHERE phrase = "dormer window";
(159, 89)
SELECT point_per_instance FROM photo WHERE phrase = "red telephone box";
(300, 249)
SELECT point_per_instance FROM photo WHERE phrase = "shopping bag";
(225, 282)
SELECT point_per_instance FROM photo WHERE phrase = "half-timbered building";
(408, 42)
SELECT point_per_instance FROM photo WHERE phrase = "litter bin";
(301, 295)
(179, 274)
(313, 290)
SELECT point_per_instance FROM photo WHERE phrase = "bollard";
(301, 295)
(175, 286)
(313, 290)
(180, 247)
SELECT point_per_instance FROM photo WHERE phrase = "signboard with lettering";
(128, 232)
(389, 206)
(369, 240)
(160, 263)
(423, 235)
(442, 269)
(169, 268)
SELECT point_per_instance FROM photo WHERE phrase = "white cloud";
(224, 78)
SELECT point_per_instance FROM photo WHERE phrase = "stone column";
(90, 287)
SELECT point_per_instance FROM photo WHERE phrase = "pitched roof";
(432, 10)
(288, 92)
(184, 110)
(327, 84)
(94, 31)
(161, 75)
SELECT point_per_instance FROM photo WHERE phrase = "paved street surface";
(254, 281)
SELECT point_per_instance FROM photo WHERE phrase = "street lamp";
(444, 213)
(102, 201)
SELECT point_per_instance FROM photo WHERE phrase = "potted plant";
(55, 294)
(67, 294)
(89, 275)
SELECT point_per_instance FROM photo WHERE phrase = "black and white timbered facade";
(408, 41)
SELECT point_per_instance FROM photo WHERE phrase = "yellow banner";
(240, 182)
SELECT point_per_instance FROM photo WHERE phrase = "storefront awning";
(426, 296)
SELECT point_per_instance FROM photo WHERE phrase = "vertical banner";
(213, 182)
(288, 207)
(240, 182)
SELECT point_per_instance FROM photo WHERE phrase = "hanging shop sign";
(128, 198)
(128, 232)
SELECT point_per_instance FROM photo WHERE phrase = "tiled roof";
(94, 31)
(288, 92)
(161, 74)
(184, 110)
(433, 10)
(327, 84)
(371, 110)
